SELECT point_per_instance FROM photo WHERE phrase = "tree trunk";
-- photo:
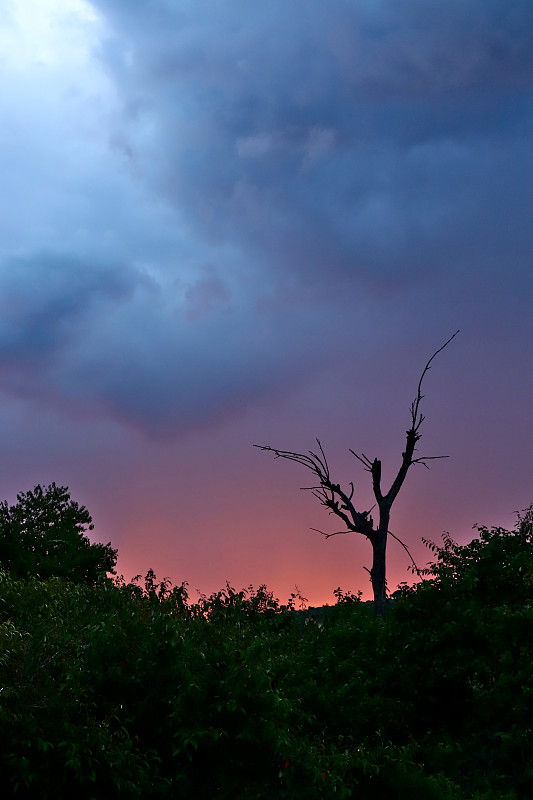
(378, 571)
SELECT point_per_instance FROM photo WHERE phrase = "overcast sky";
(225, 223)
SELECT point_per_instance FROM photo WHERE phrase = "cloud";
(169, 376)
(205, 205)
(48, 304)
(291, 133)
(90, 339)
(206, 294)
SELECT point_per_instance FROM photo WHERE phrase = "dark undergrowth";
(130, 690)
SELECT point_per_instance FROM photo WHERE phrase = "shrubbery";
(131, 690)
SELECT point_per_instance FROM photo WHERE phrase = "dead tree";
(340, 502)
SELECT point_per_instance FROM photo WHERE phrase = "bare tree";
(340, 501)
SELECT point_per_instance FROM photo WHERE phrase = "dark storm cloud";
(168, 375)
(261, 192)
(349, 138)
(88, 338)
(46, 299)
(49, 306)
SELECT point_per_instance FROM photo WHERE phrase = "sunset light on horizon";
(226, 224)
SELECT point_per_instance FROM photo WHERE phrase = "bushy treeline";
(131, 690)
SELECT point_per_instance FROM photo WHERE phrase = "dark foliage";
(43, 535)
(130, 690)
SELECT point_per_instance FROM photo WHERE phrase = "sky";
(225, 223)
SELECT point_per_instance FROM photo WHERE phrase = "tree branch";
(422, 460)
(415, 405)
(406, 550)
(328, 535)
(329, 494)
(412, 433)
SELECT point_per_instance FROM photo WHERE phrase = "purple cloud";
(341, 168)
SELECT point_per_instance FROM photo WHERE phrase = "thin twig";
(406, 550)
(327, 535)
(419, 396)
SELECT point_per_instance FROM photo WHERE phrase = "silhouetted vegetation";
(43, 534)
(132, 690)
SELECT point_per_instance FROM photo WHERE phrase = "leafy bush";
(130, 690)
(494, 568)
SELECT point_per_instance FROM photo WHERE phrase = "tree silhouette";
(43, 535)
(340, 502)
